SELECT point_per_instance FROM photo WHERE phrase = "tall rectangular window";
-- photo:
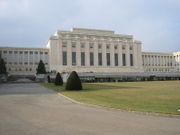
(124, 59)
(116, 59)
(82, 58)
(100, 59)
(64, 58)
(91, 59)
(131, 60)
(73, 58)
(108, 59)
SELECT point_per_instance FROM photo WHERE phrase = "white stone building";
(90, 50)
(24, 60)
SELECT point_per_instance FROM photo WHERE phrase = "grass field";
(155, 96)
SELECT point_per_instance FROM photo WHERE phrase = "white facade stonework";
(89, 50)
(24, 60)
(92, 43)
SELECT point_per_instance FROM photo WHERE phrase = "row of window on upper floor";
(25, 63)
(91, 46)
(23, 52)
(154, 56)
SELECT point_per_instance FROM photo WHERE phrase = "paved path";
(30, 109)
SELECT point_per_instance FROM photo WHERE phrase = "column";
(127, 55)
(87, 61)
(78, 53)
(69, 54)
(95, 54)
(120, 54)
(112, 55)
(104, 64)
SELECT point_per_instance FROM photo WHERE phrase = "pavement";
(30, 109)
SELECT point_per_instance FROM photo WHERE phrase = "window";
(124, 59)
(26, 52)
(131, 60)
(46, 53)
(91, 59)
(116, 59)
(91, 45)
(64, 58)
(82, 58)
(123, 47)
(99, 46)
(36, 52)
(82, 45)
(31, 52)
(108, 59)
(107, 46)
(100, 59)
(41, 52)
(115, 47)
(73, 44)
(130, 48)
(64, 44)
(15, 52)
(10, 52)
(5, 52)
(73, 58)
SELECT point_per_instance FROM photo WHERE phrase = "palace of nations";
(91, 52)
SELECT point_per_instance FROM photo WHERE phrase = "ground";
(151, 96)
(30, 109)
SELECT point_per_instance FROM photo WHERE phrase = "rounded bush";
(73, 82)
(58, 80)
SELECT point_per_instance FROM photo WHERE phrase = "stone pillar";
(78, 53)
(87, 61)
(120, 54)
(104, 63)
(69, 53)
(112, 55)
(127, 55)
(95, 54)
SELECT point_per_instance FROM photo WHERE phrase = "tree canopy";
(2, 66)
(41, 68)
(73, 82)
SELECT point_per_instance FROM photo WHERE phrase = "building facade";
(90, 51)
(24, 60)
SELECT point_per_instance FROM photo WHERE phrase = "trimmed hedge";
(58, 80)
(73, 82)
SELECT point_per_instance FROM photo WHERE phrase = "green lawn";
(155, 96)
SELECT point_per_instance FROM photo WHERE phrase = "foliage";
(41, 68)
(73, 82)
(49, 79)
(2, 67)
(58, 80)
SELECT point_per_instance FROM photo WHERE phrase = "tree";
(2, 67)
(58, 80)
(73, 82)
(41, 68)
(49, 79)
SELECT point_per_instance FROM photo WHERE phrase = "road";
(30, 109)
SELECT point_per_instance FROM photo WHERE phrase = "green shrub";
(41, 68)
(2, 67)
(49, 79)
(58, 80)
(73, 82)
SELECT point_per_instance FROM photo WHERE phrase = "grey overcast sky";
(29, 23)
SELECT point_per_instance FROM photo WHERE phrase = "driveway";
(30, 109)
